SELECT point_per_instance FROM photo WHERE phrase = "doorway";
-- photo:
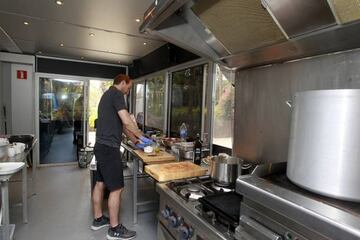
(66, 109)
(61, 119)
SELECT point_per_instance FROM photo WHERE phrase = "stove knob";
(166, 212)
(185, 232)
(174, 221)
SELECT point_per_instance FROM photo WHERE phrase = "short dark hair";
(121, 77)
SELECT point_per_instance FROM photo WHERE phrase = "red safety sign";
(21, 74)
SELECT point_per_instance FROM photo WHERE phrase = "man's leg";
(100, 221)
(98, 196)
(114, 204)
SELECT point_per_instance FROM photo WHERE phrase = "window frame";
(206, 127)
(215, 148)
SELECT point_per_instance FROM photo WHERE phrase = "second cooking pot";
(225, 169)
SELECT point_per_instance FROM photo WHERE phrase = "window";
(223, 125)
(186, 100)
(155, 103)
(139, 103)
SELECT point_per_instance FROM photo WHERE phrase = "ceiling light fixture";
(91, 34)
(145, 43)
(61, 44)
(26, 23)
(39, 52)
(137, 20)
(59, 2)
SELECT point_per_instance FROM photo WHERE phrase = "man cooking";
(113, 120)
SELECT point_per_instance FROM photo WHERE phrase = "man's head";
(123, 83)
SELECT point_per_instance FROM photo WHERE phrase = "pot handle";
(289, 103)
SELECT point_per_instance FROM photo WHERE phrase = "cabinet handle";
(257, 230)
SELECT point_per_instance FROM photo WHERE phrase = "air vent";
(239, 25)
(299, 17)
(346, 10)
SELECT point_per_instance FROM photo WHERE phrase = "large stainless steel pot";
(324, 149)
(225, 169)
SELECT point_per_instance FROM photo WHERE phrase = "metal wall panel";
(262, 118)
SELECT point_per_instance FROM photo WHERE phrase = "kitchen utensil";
(325, 141)
(225, 169)
(186, 150)
(169, 142)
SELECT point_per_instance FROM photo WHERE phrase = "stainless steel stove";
(274, 208)
(194, 209)
(267, 206)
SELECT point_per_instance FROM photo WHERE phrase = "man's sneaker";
(101, 222)
(120, 232)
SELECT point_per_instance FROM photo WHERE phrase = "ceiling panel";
(112, 21)
(116, 15)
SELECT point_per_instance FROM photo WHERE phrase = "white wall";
(17, 95)
(1, 101)
(22, 100)
(6, 96)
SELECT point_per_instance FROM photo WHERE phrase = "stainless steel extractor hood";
(245, 33)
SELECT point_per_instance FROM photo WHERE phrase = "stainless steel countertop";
(320, 213)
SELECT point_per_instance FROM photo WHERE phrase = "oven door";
(163, 233)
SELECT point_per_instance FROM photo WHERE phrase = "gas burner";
(221, 188)
(192, 192)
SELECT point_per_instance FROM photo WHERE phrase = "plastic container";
(183, 132)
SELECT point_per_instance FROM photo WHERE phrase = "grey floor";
(61, 209)
(62, 149)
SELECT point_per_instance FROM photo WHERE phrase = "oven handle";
(257, 230)
(163, 233)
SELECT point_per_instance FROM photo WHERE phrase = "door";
(61, 119)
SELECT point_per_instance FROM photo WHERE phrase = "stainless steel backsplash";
(262, 118)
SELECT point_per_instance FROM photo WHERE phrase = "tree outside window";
(223, 108)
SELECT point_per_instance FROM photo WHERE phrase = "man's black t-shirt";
(109, 126)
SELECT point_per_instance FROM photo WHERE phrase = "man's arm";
(130, 135)
(128, 124)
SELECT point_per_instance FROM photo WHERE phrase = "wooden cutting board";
(172, 171)
(161, 157)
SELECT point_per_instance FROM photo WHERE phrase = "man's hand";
(146, 140)
(141, 145)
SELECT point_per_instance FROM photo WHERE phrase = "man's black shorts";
(109, 167)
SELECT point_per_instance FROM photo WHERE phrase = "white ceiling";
(117, 39)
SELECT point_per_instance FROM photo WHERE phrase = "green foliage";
(97, 89)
